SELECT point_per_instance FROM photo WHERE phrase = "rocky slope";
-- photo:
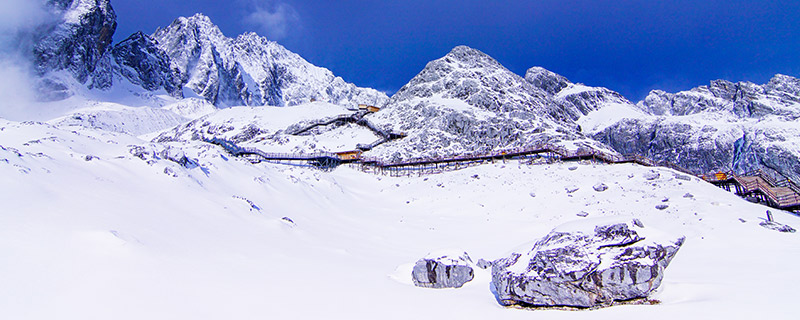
(723, 126)
(467, 102)
(249, 69)
(76, 41)
(139, 60)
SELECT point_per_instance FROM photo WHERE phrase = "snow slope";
(265, 128)
(90, 229)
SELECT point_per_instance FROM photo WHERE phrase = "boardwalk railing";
(779, 192)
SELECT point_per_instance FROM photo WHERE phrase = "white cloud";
(275, 19)
(16, 81)
(17, 14)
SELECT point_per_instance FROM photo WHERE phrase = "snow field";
(116, 237)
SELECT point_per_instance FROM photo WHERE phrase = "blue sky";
(631, 46)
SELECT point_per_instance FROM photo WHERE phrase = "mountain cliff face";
(249, 69)
(723, 126)
(572, 100)
(139, 60)
(467, 102)
(77, 41)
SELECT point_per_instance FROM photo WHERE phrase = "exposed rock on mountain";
(142, 62)
(77, 41)
(579, 265)
(743, 100)
(250, 70)
(574, 100)
(466, 102)
(723, 126)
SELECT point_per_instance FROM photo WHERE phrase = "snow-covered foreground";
(113, 236)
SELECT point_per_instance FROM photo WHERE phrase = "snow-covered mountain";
(574, 100)
(72, 52)
(74, 42)
(250, 70)
(467, 102)
(725, 125)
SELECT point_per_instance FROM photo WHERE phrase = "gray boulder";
(585, 265)
(443, 271)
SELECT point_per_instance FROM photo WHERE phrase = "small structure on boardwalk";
(352, 155)
(368, 108)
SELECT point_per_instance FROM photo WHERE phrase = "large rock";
(586, 265)
(443, 271)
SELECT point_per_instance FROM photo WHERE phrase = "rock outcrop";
(583, 265)
(467, 102)
(139, 59)
(76, 40)
(739, 126)
(443, 271)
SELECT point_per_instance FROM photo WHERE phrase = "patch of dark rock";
(483, 264)
(600, 187)
(652, 175)
(662, 206)
(571, 189)
(443, 271)
(780, 227)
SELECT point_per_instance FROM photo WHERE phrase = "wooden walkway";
(777, 193)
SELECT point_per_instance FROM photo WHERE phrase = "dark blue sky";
(631, 46)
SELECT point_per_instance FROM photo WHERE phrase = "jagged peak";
(199, 22)
(784, 83)
(470, 57)
(546, 80)
(136, 36)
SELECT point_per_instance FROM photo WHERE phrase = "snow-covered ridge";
(722, 126)
(467, 102)
(250, 70)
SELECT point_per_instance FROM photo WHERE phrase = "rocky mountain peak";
(476, 78)
(467, 102)
(139, 59)
(196, 30)
(784, 83)
(249, 69)
(76, 41)
(546, 80)
(467, 57)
